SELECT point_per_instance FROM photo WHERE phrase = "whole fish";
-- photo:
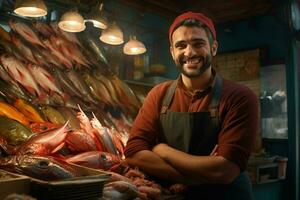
(86, 125)
(46, 80)
(4, 75)
(26, 32)
(44, 168)
(43, 28)
(69, 50)
(13, 91)
(93, 47)
(108, 84)
(52, 115)
(29, 110)
(27, 52)
(66, 83)
(97, 89)
(13, 131)
(56, 52)
(79, 141)
(70, 114)
(79, 83)
(19, 73)
(95, 159)
(103, 135)
(11, 112)
(41, 127)
(46, 143)
(11, 49)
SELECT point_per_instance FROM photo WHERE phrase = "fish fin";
(58, 148)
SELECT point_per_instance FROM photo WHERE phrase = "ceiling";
(219, 10)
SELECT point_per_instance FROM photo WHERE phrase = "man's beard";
(206, 63)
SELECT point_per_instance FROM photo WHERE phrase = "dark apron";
(196, 133)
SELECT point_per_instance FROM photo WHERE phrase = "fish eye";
(103, 157)
(43, 163)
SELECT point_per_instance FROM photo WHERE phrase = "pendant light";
(71, 21)
(134, 47)
(112, 35)
(97, 17)
(30, 8)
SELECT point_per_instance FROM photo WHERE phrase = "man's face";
(191, 50)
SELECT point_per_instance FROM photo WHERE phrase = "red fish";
(26, 32)
(79, 141)
(96, 160)
(41, 127)
(45, 143)
(19, 73)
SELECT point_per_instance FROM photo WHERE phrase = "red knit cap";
(191, 15)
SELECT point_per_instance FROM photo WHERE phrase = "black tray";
(84, 187)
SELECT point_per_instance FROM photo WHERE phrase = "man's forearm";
(209, 169)
(152, 164)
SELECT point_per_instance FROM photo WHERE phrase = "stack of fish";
(60, 103)
(46, 77)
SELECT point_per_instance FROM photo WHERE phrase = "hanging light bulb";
(112, 35)
(30, 8)
(97, 18)
(71, 21)
(134, 47)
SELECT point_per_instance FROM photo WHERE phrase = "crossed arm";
(168, 163)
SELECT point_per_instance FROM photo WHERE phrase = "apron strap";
(168, 97)
(216, 96)
(213, 104)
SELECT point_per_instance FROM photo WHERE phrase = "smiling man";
(199, 129)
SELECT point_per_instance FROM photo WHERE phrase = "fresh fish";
(43, 28)
(56, 52)
(28, 110)
(41, 127)
(11, 49)
(13, 91)
(27, 52)
(79, 83)
(52, 115)
(97, 89)
(66, 83)
(69, 50)
(46, 80)
(95, 159)
(93, 48)
(103, 135)
(86, 125)
(4, 75)
(13, 131)
(12, 113)
(20, 74)
(44, 168)
(46, 143)
(26, 32)
(109, 85)
(79, 141)
(70, 114)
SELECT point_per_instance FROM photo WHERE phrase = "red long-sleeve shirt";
(238, 112)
